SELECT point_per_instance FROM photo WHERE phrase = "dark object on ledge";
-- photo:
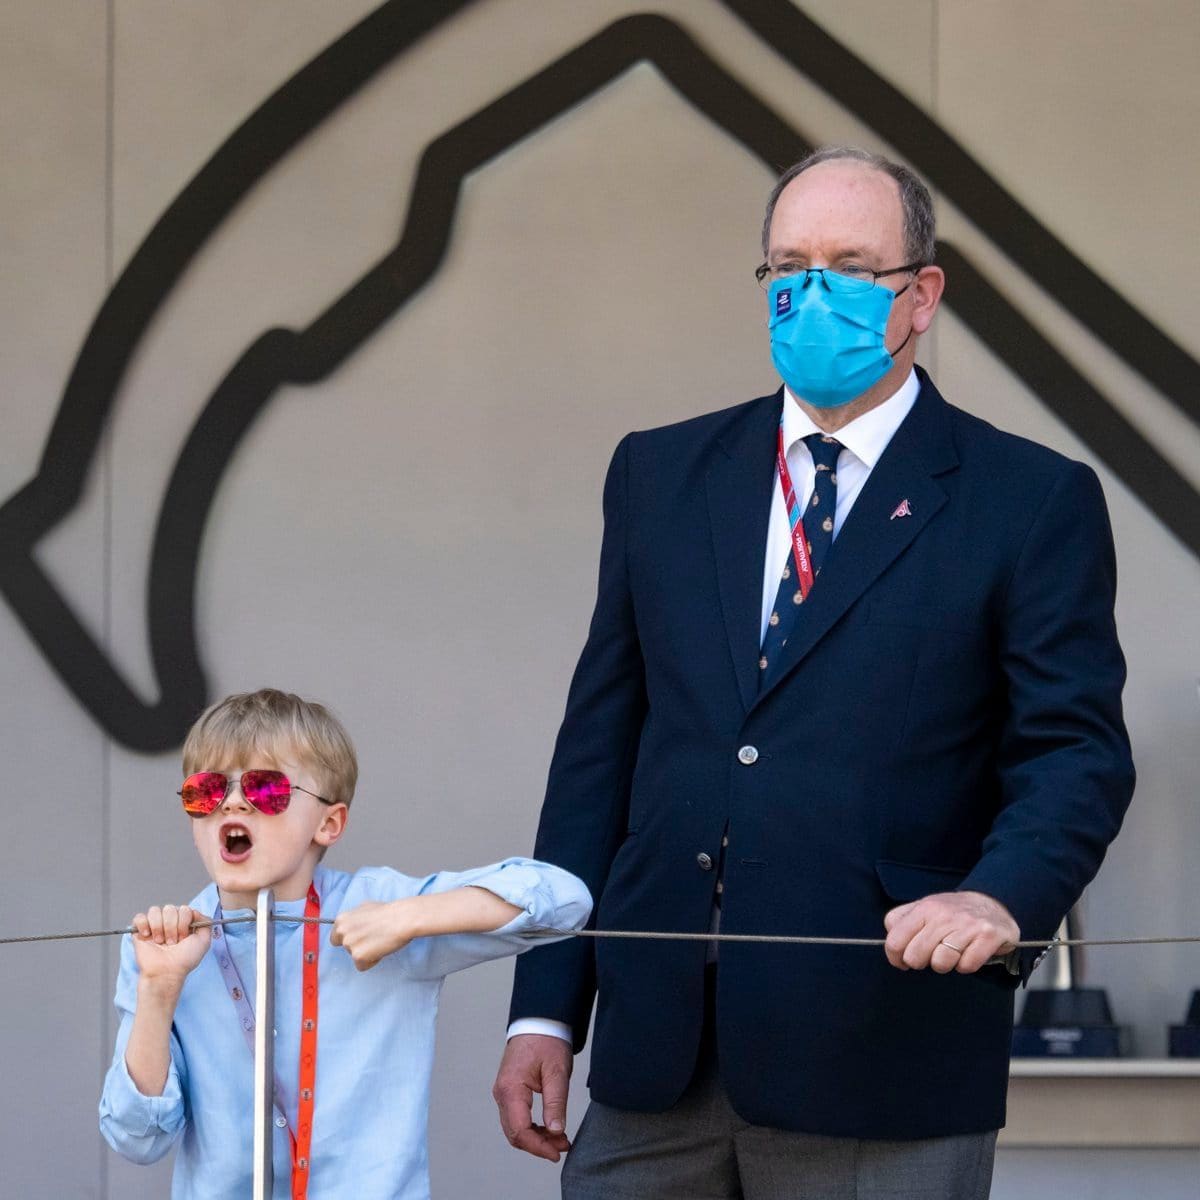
(1184, 1040)
(1067, 1023)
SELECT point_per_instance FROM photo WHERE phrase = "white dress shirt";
(863, 442)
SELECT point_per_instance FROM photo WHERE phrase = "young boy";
(270, 779)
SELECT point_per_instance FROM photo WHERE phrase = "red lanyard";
(804, 571)
(307, 1073)
(301, 1139)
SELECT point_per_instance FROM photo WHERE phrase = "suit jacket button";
(704, 861)
(748, 756)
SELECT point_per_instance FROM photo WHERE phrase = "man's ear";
(333, 824)
(927, 294)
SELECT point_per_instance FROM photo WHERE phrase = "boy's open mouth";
(235, 842)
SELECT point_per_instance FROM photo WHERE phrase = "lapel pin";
(903, 509)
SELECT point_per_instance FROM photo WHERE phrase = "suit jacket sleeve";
(1065, 766)
(587, 796)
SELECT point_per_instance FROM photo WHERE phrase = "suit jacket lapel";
(739, 487)
(871, 539)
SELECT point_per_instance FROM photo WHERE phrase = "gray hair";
(915, 201)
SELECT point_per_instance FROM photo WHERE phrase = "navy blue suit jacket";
(946, 714)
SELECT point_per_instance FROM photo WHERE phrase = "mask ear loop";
(904, 343)
(896, 296)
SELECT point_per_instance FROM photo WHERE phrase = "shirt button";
(725, 840)
(281, 1122)
(748, 756)
(704, 861)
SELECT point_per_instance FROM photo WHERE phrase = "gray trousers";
(702, 1150)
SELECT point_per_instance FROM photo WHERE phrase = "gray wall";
(413, 540)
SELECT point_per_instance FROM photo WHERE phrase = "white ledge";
(1103, 1103)
(1126, 1068)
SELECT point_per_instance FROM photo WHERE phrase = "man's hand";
(533, 1062)
(166, 946)
(950, 931)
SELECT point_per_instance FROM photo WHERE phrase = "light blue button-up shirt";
(375, 1042)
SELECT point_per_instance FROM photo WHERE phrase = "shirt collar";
(206, 902)
(866, 437)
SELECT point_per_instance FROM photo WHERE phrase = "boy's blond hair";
(268, 725)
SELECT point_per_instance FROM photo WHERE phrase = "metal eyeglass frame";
(764, 270)
(230, 781)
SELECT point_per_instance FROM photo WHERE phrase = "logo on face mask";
(829, 346)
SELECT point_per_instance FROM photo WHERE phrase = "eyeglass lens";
(835, 281)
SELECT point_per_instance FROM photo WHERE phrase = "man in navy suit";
(852, 668)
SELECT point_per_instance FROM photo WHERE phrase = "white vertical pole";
(1063, 979)
(264, 1047)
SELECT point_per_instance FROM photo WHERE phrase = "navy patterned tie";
(818, 533)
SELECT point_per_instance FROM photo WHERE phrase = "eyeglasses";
(268, 791)
(850, 278)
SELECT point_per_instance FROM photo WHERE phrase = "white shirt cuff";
(542, 1025)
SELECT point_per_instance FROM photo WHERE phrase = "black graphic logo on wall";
(281, 356)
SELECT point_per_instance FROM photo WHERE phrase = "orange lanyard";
(307, 1073)
(301, 1138)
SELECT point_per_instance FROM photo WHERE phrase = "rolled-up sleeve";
(139, 1127)
(553, 904)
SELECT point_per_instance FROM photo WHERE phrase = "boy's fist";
(166, 946)
(371, 931)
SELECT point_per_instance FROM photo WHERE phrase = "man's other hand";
(949, 931)
(532, 1063)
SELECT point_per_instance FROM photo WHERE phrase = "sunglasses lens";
(268, 791)
(202, 793)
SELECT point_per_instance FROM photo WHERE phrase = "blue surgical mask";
(828, 344)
